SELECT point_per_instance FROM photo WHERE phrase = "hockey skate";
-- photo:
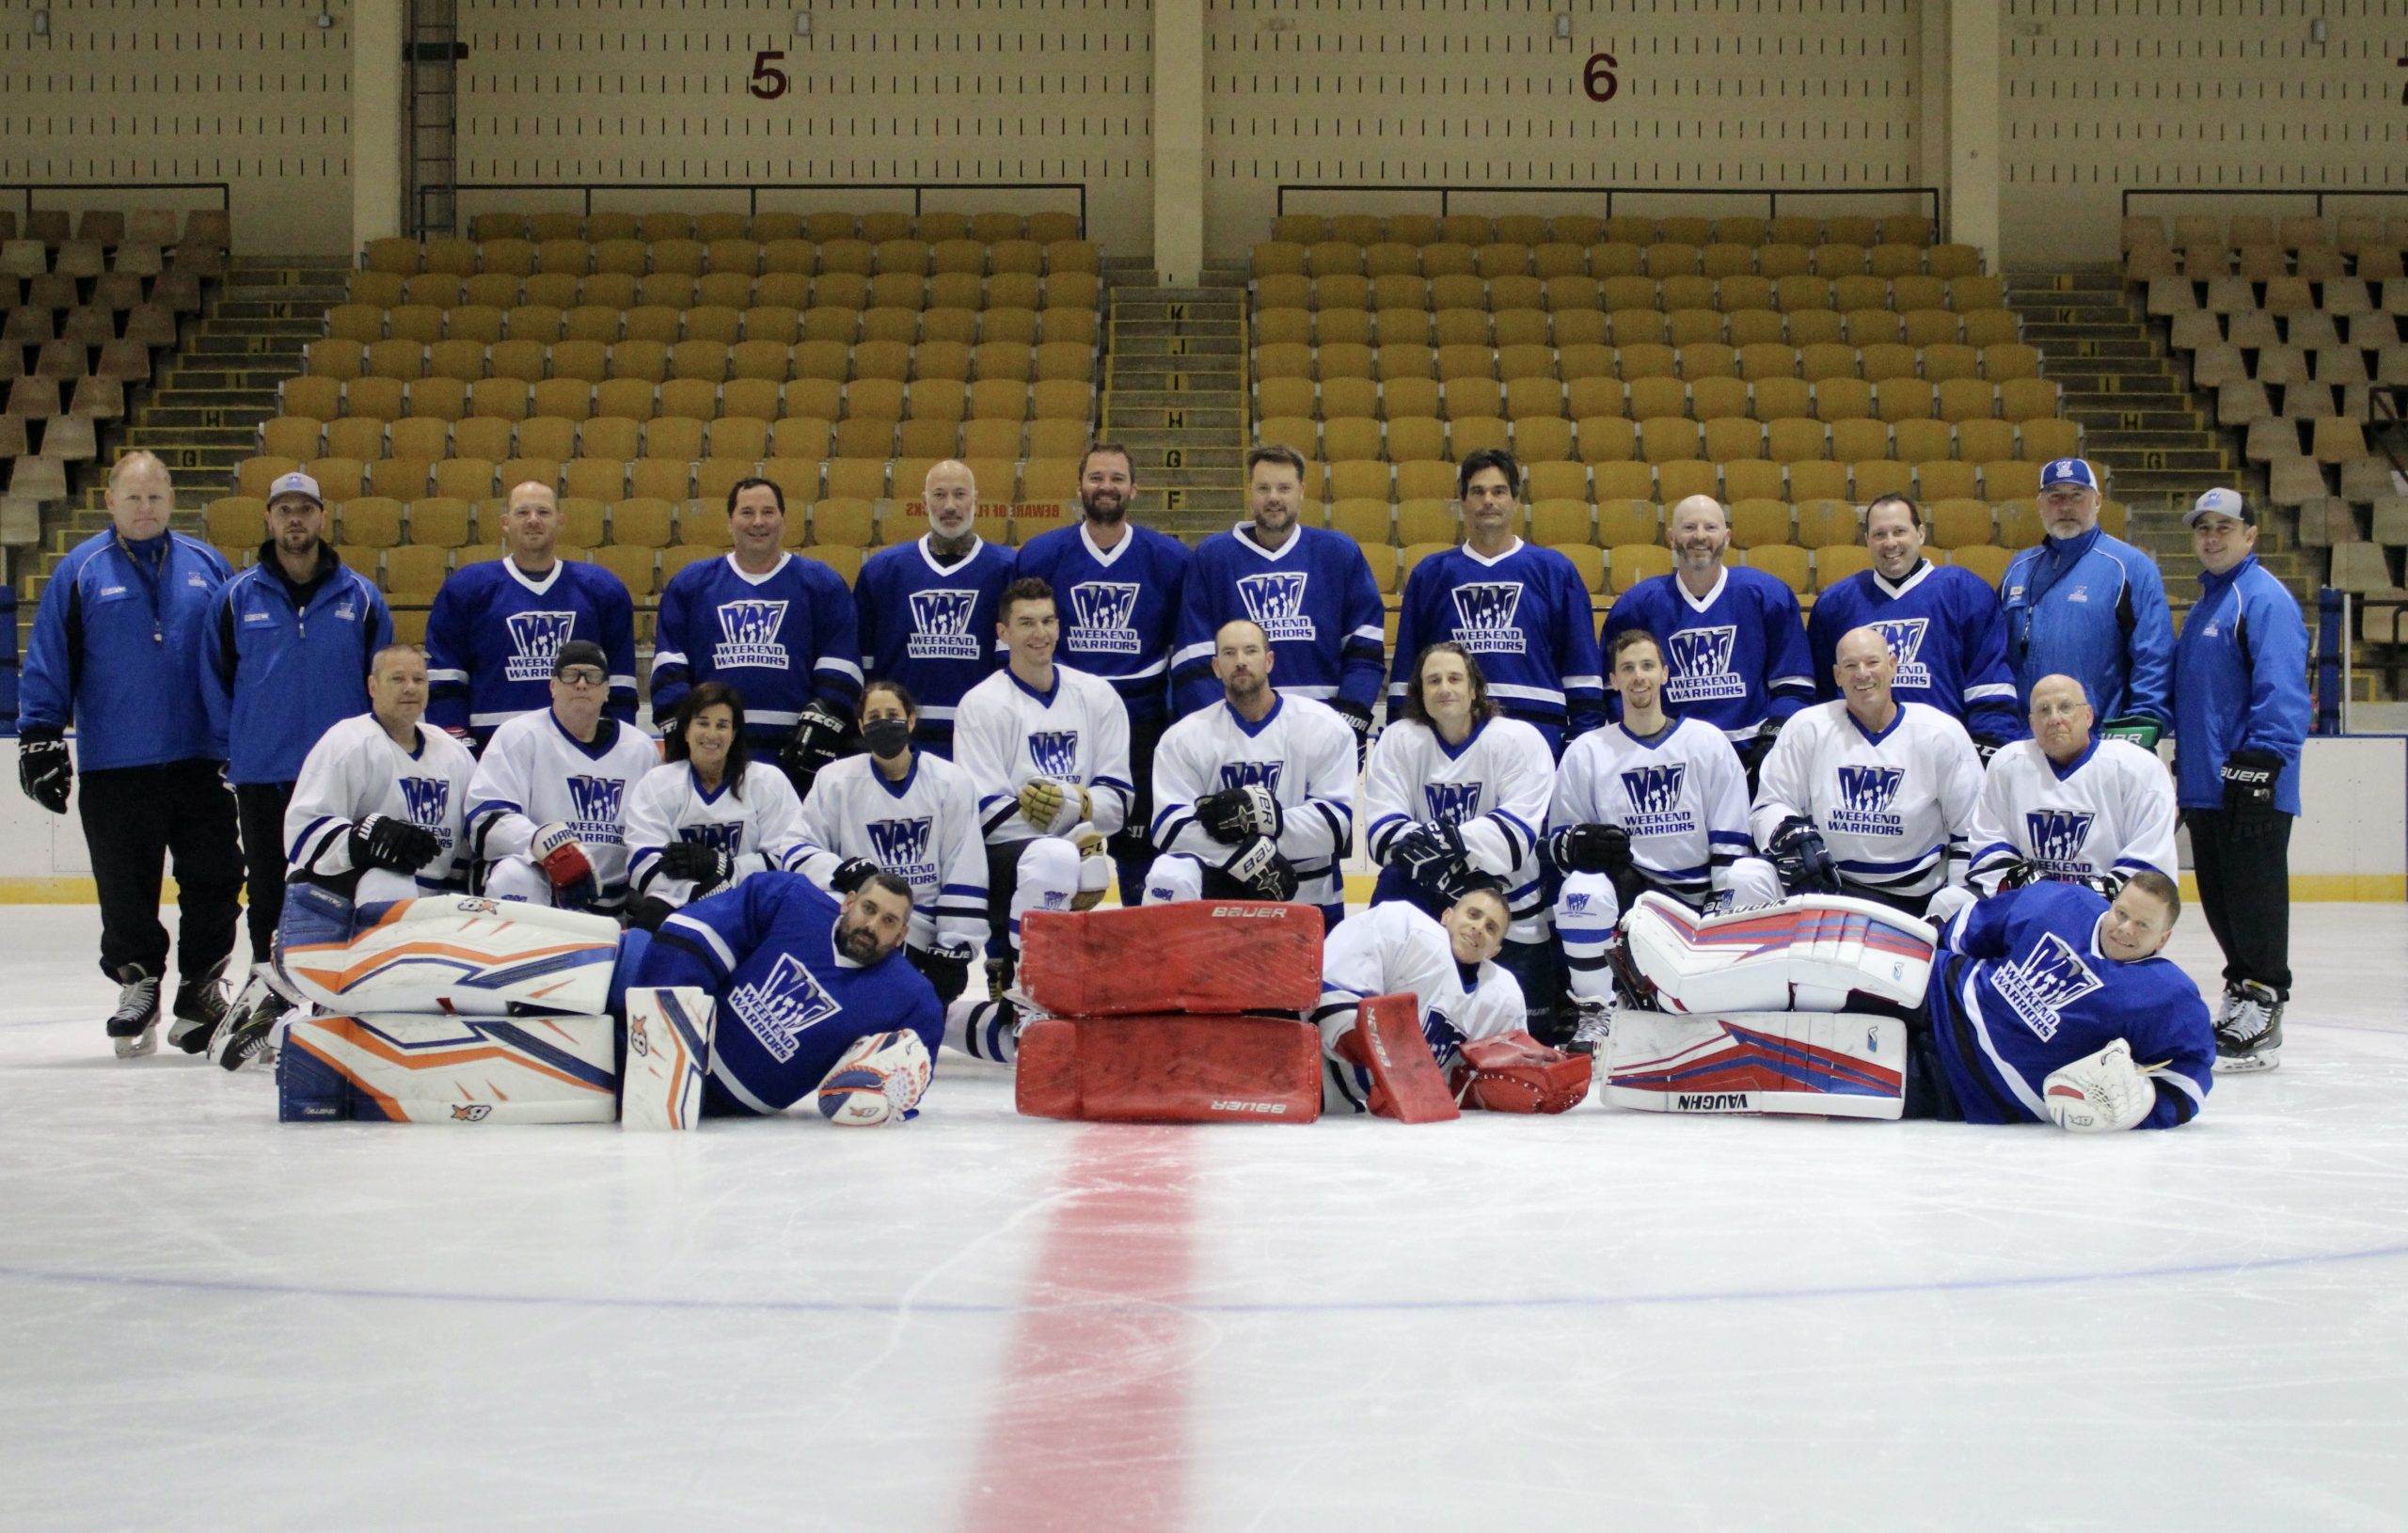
(2249, 1032)
(134, 1027)
(199, 1011)
(1593, 1024)
(247, 1036)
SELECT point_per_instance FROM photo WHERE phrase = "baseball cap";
(296, 483)
(2068, 471)
(583, 652)
(2221, 502)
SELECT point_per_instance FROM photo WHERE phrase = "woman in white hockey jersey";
(2066, 805)
(1449, 964)
(915, 816)
(709, 816)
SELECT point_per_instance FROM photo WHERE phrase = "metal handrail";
(1772, 195)
(224, 189)
(752, 190)
(2318, 193)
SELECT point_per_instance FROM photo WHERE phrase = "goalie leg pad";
(1585, 913)
(1203, 956)
(449, 1069)
(1810, 953)
(1824, 1064)
(668, 1056)
(1169, 1068)
(455, 952)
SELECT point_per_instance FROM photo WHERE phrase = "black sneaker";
(2249, 1034)
(134, 1027)
(200, 1006)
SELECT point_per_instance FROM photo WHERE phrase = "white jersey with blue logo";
(533, 772)
(356, 771)
(1396, 949)
(924, 830)
(1681, 796)
(1895, 808)
(1302, 751)
(757, 822)
(1494, 789)
(2112, 810)
(1007, 735)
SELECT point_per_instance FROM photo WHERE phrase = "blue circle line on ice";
(1356, 1306)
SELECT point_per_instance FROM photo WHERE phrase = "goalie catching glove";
(1053, 807)
(704, 866)
(555, 850)
(1434, 859)
(1233, 814)
(1802, 860)
(380, 841)
(1513, 1073)
(1589, 848)
(2101, 1093)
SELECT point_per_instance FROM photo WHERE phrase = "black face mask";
(888, 737)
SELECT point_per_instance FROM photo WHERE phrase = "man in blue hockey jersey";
(1732, 638)
(1520, 610)
(2241, 718)
(496, 627)
(1309, 589)
(1943, 623)
(2090, 607)
(928, 607)
(1118, 587)
(777, 627)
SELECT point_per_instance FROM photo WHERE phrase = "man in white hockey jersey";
(1046, 747)
(548, 806)
(2066, 804)
(1447, 964)
(1253, 797)
(1871, 796)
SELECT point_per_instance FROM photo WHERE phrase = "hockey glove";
(1984, 747)
(381, 841)
(1358, 718)
(946, 969)
(818, 738)
(2134, 729)
(1434, 859)
(1802, 860)
(556, 851)
(1260, 871)
(1053, 807)
(704, 866)
(2249, 783)
(1753, 754)
(2100, 1093)
(851, 873)
(1233, 814)
(647, 911)
(44, 769)
(1589, 848)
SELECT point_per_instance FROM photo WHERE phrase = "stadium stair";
(1175, 394)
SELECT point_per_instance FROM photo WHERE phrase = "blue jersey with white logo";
(495, 629)
(1735, 658)
(1315, 599)
(1948, 633)
(780, 638)
(2094, 608)
(932, 626)
(1118, 607)
(789, 1003)
(2020, 988)
(114, 647)
(1525, 616)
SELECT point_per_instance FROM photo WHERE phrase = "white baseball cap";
(2221, 502)
(295, 484)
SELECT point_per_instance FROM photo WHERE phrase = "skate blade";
(146, 1042)
(2257, 1064)
(191, 1036)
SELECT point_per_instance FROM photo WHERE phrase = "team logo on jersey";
(1702, 665)
(749, 634)
(1055, 752)
(1444, 1037)
(1105, 613)
(902, 848)
(1905, 638)
(782, 1006)
(595, 813)
(1867, 796)
(1452, 803)
(1251, 774)
(1484, 617)
(726, 837)
(429, 802)
(1655, 795)
(940, 625)
(535, 641)
(1277, 603)
(2058, 838)
(2043, 982)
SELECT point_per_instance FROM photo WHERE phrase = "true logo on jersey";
(596, 799)
(1106, 615)
(1055, 752)
(782, 1006)
(1702, 665)
(535, 641)
(1251, 774)
(1277, 603)
(902, 848)
(429, 801)
(1655, 795)
(749, 634)
(1484, 617)
(1866, 795)
(2058, 839)
(1905, 638)
(2043, 982)
(1452, 803)
(940, 625)
(727, 837)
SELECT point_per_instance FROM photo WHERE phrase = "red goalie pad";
(1194, 956)
(1514, 1072)
(1169, 1069)
(1386, 1041)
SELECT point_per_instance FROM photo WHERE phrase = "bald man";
(1869, 795)
(928, 607)
(2069, 805)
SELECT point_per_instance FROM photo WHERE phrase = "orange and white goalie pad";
(669, 1052)
(1202, 956)
(449, 1069)
(1807, 954)
(1172, 1068)
(451, 953)
(1825, 1064)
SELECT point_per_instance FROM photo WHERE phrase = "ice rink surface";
(979, 1322)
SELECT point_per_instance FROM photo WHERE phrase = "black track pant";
(260, 807)
(2243, 864)
(136, 819)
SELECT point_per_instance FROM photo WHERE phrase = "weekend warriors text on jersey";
(780, 638)
(1681, 795)
(1525, 616)
(1301, 751)
(356, 771)
(1117, 607)
(758, 823)
(495, 631)
(923, 829)
(1007, 735)
(1895, 808)
(931, 627)
(1733, 658)
(1313, 597)
(1494, 788)
(2111, 811)
(1947, 632)
(534, 772)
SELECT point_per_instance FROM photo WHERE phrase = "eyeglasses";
(580, 676)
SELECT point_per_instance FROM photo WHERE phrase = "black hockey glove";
(851, 873)
(1358, 718)
(706, 867)
(1802, 860)
(1233, 814)
(1985, 748)
(647, 911)
(2249, 783)
(947, 969)
(818, 738)
(1589, 848)
(1260, 871)
(44, 769)
(381, 841)
(1434, 859)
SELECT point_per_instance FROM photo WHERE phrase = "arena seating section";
(643, 364)
(1794, 367)
(2300, 327)
(81, 315)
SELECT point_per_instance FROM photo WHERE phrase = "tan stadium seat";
(1837, 562)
